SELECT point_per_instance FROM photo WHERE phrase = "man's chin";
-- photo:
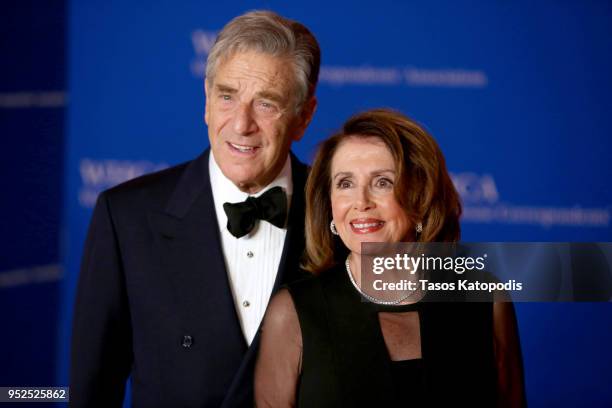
(245, 182)
(240, 172)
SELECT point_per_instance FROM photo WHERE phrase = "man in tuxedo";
(179, 265)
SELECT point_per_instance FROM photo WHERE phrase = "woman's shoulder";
(299, 294)
(295, 308)
(312, 286)
(310, 297)
(281, 311)
(303, 292)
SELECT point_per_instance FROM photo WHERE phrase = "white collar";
(225, 191)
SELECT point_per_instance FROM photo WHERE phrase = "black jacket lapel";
(288, 268)
(192, 258)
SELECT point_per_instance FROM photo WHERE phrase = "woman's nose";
(363, 201)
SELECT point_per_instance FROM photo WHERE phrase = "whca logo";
(203, 41)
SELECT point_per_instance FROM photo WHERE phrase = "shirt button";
(187, 341)
(250, 254)
(246, 303)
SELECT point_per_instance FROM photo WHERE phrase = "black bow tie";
(271, 206)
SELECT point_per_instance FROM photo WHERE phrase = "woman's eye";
(384, 183)
(342, 184)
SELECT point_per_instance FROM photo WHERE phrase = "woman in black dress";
(382, 178)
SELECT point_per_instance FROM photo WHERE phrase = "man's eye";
(225, 97)
(267, 106)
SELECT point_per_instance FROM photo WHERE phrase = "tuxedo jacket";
(154, 300)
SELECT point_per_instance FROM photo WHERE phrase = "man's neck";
(282, 177)
(251, 188)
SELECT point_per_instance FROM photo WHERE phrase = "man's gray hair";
(269, 33)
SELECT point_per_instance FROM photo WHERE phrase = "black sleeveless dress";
(345, 362)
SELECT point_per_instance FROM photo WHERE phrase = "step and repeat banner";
(516, 94)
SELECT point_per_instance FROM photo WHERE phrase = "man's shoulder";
(161, 180)
(153, 190)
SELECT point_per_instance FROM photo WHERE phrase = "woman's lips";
(243, 150)
(366, 226)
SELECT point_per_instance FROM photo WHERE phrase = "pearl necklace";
(368, 297)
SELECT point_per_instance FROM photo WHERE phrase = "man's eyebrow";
(271, 95)
(225, 89)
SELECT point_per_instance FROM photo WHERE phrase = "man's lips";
(366, 225)
(244, 150)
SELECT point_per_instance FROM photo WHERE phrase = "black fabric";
(154, 301)
(345, 361)
(409, 372)
(271, 206)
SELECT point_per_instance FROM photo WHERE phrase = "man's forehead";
(252, 68)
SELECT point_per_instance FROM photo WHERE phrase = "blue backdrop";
(516, 93)
(32, 99)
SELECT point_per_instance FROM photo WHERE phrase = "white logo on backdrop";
(479, 192)
(476, 188)
(36, 99)
(408, 76)
(481, 204)
(203, 41)
(31, 275)
(98, 175)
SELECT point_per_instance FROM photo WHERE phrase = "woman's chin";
(355, 244)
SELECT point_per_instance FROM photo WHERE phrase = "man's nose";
(244, 122)
(363, 200)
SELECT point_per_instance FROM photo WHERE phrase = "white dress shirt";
(252, 260)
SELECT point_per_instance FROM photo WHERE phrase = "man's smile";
(243, 150)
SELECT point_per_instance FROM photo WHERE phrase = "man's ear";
(206, 103)
(308, 111)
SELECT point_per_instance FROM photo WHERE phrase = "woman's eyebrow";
(373, 172)
(342, 173)
(382, 171)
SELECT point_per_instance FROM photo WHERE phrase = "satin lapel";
(192, 258)
(288, 268)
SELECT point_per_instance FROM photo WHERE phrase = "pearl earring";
(332, 227)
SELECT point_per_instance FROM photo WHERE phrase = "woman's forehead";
(357, 151)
